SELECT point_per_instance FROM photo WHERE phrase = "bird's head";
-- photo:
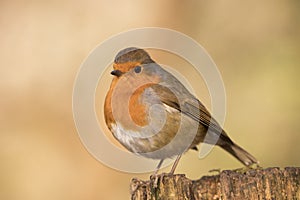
(130, 59)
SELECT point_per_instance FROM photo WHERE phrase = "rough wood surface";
(270, 183)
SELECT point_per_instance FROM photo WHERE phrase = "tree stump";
(270, 183)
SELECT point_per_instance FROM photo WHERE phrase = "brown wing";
(189, 106)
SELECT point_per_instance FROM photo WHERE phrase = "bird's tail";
(238, 152)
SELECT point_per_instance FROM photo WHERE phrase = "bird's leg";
(175, 164)
(158, 166)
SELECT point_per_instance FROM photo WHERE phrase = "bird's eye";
(137, 69)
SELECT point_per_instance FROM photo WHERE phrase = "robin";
(151, 113)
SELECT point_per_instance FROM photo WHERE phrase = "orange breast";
(137, 111)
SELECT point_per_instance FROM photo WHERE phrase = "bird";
(152, 114)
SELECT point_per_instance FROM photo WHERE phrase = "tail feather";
(237, 151)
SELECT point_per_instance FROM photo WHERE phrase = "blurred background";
(255, 44)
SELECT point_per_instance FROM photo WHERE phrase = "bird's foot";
(155, 178)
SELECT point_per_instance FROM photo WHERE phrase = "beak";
(116, 72)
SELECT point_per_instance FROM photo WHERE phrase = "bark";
(270, 183)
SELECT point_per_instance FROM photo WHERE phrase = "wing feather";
(190, 106)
